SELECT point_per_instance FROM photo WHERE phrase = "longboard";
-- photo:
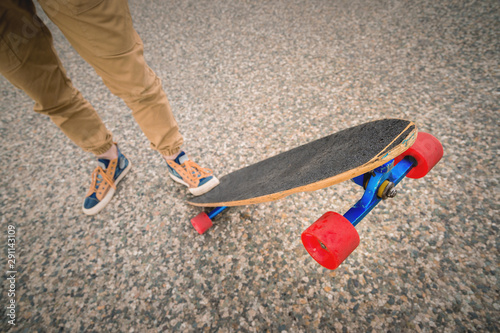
(376, 155)
(321, 163)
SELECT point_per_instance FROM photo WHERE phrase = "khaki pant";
(101, 32)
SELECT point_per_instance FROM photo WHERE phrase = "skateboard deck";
(321, 163)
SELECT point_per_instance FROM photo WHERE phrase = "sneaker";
(186, 172)
(104, 180)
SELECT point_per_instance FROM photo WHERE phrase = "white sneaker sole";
(107, 198)
(196, 191)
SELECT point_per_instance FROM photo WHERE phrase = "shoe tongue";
(103, 163)
(181, 158)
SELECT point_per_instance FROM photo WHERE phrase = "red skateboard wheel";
(427, 151)
(330, 240)
(201, 222)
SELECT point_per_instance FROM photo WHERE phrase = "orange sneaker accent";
(190, 172)
(106, 183)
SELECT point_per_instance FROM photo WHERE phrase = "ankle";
(171, 157)
(111, 154)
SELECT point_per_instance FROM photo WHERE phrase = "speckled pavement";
(246, 80)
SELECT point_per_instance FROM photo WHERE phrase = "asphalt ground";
(247, 80)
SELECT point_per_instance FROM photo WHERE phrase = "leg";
(102, 33)
(29, 61)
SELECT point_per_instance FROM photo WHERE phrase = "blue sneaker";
(104, 180)
(186, 172)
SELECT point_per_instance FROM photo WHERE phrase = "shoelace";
(191, 172)
(96, 181)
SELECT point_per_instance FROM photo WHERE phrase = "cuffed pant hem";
(101, 150)
(170, 152)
